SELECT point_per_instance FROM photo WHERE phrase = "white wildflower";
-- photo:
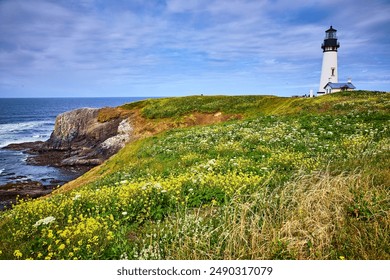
(124, 256)
(124, 213)
(44, 221)
(77, 196)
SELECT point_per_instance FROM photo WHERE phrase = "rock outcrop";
(86, 140)
(22, 190)
(80, 139)
(78, 127)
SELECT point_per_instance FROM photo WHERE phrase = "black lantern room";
(330, 43)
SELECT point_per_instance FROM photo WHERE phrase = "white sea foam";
(40, 136)
(24, 132)
(23, 126)
(24, 158)
(1, 170)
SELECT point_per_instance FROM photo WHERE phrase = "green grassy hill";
(225, 177)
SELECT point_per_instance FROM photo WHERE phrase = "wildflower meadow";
(310, 181)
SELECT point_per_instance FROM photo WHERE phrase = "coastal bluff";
(86, 137)
(81, 137)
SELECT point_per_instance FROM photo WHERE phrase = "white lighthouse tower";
(329, 72)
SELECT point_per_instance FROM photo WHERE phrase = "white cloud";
(158, 44)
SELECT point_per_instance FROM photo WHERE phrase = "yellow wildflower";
(61, 247)
(18, 254)
(110, 235)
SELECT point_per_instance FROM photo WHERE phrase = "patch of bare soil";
(145, 127)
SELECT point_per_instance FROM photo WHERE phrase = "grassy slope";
(159, 112)
(296, 178)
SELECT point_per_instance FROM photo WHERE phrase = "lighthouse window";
(333, 71)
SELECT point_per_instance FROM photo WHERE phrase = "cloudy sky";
(91, 48)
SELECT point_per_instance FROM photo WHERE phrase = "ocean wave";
(29, 131)
(24, 126)
(41, 136)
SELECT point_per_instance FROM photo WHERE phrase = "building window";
(333, 71)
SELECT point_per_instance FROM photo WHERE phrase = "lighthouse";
(329, 72)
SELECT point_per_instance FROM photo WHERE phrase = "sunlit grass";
(282, 183)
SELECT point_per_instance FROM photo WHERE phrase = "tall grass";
(275, 185)
(316, 216)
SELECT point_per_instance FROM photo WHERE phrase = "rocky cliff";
(85, 139)
(80, 138)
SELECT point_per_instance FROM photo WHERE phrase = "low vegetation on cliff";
(259, 177)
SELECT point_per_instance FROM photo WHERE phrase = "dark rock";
(24, 146)
(78, 142)
(10, 192)
(32, 189)
(56, 182)
(78, 139)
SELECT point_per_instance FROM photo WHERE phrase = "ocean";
(32, 119)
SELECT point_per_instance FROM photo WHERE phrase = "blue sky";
(89, 48)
